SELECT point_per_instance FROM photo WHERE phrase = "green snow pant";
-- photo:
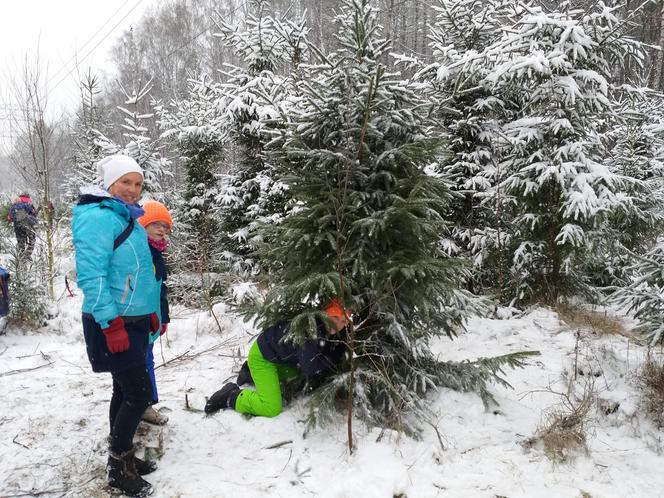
(266, 399)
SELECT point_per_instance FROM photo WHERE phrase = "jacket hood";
(94, 191)
(93, 195)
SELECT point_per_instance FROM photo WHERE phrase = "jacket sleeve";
(163, 302)
(318, 355)
(93, 236)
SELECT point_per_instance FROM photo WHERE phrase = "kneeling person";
(272, 359)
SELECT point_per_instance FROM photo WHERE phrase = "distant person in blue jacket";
(23, 215)
(273, 358)
(115, 272)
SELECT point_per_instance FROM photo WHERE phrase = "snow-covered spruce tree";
(555, 67)
(253, 96)
(636, 146)
(367, 228)
(193, 126)
(144, 149)
(468, 116)
(28, 296)
(642, 297)
(471, 25)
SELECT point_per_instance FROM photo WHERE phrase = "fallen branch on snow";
(21, 370)
(278, 445)
(20, 444)
(187, 356)
(35, 493)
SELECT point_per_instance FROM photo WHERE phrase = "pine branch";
(474, 376)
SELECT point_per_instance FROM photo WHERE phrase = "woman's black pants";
(132, 393)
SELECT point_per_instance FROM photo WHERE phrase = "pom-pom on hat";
(335, 309)
(155, 211)
(112, 168)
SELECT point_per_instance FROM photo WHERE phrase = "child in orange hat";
(273, 358)
(157, 222)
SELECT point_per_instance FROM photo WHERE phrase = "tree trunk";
(321, 21)
(391, 23)
(655, 79)
(659, 68)
(351, 385)
(425, 27)
(402, 34)
(416, 28)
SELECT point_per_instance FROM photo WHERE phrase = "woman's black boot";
(123, 475)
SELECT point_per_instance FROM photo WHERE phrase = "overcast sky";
(62, 32)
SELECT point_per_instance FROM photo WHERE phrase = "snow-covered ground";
(53, 422)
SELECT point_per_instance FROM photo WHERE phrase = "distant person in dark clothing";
(24, 217)
(273, 358)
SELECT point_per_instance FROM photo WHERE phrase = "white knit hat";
(111, 168)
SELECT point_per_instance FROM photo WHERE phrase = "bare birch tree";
(35, 155)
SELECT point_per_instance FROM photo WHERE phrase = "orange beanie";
(155, 211)
(335, 309)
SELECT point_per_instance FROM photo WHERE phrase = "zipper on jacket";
(126, 290)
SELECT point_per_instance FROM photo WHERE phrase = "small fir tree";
(555, 69)
(636, 142)
(643, 295)
(194, 128)
(28, 296)
(469, 113)
(559, 184)
(254, 97)
(367, 228)
(525, 107)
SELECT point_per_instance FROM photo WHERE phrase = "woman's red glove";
(164, 328)
(154, 323)
(117, 339)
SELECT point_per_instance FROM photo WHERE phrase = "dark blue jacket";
(161, 274)
(313, 357)
(30, 217)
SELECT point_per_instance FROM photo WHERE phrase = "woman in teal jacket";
(115, 272)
